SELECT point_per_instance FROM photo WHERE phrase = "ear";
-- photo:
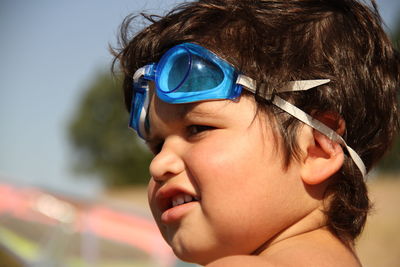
(322, 157)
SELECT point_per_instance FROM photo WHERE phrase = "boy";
(264, 118)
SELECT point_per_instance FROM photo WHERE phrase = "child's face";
(216, 152)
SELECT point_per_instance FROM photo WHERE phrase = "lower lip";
(176, 213)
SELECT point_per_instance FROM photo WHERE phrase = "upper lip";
(165, 194)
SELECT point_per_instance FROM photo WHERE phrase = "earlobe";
(323, 158)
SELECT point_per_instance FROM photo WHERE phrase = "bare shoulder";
(241, 261)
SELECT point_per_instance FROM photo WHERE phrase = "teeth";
(181, 199)
(188, 198)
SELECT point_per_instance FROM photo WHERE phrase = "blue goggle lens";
(181, 70)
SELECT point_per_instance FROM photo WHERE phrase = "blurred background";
(72, 177)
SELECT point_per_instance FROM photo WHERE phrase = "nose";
(167, 163)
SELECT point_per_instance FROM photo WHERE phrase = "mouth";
(181, 199)
(171, 198)
(177, 206)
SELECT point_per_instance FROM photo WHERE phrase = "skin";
(251, 211)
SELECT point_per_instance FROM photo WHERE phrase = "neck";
(313, 221)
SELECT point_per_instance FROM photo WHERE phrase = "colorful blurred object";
(42, 229)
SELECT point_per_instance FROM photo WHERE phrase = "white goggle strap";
(304, 117)
(301, 85)
(319, 126)
(143, 113)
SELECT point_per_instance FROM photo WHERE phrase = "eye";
(193, 130)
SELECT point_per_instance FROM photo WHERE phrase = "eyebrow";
(184, 109)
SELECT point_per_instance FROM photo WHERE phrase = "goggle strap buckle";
(150, 71)
(247, 82)
(139, 74)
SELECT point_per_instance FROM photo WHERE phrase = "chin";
(194, 256)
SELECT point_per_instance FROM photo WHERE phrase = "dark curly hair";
(278, 41)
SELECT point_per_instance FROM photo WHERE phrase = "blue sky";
(50, 51)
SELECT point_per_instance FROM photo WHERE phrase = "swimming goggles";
(189, 73)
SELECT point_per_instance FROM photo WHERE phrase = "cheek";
(234, 158)
(240, 179)
(211, 167)
(233, 179)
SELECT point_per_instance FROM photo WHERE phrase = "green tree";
(396, 35)
(100, 136)
(391, 162)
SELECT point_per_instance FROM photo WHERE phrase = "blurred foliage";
(391, 162)
(396, 34)
(100, 135)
